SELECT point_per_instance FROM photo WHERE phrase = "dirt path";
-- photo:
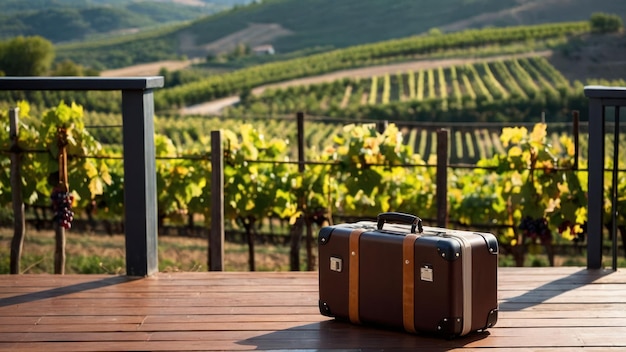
(210, 108)
(365, 72)
(214, 107)
(149, 69)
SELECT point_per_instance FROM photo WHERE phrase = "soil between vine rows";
(98, 253)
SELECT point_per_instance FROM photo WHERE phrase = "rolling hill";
(299, 25)
(71, 20)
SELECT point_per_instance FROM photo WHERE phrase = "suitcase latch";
(336, 264)
(426, 273)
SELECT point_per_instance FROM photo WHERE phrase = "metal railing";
(601, 100)
(139, 160)
(140, 212)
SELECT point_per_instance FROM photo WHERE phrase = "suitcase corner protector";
(324, 235)
(492, 318)
(324, 309)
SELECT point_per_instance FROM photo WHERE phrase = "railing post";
(140, 200)
(216, 236)
(140, 203)
(614, 193)
(596, 184)
(599, 98)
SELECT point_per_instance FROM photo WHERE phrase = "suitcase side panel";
(485, 282)
(438, 285)
(334, 271)
(483, 268)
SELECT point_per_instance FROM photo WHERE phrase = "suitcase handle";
(401, 218)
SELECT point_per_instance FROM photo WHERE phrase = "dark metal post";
(442, 178)
(599, 98)
(140, 200)
(216, 236)
(140, 214)
(596, 184)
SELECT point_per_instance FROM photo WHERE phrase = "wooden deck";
(555, 309)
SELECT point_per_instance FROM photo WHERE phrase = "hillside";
(298, 25)
(576, 62)
(71, 20)
(329, 24)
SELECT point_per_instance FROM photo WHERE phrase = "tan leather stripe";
(408, 282)
(353, 276)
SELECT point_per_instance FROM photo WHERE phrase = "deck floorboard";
(548, 309)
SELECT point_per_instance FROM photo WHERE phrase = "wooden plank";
(584, 313)
(74, 319)
(209, 346)
(99, 310)
(174, 290)
(134, 327)
(233, 279)
(242, 299)
(561, 322)
(340, 336)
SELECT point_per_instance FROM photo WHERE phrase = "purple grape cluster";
(62, 207)
(536, 228)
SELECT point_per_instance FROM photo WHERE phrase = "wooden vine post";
(296, 229)
(61, 201)
(442, 178)
(19, 224)
(216, 235)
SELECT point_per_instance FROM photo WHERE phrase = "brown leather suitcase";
(398, 274)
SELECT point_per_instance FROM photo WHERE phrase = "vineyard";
(475, 43)
(468, 142)
(465, 86)
(429, 95)
(360, 173)
(495, 84)
(485, 41)
(510, 90)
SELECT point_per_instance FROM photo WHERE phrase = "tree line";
(35, 56)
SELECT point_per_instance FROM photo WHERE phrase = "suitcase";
(396, 273)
